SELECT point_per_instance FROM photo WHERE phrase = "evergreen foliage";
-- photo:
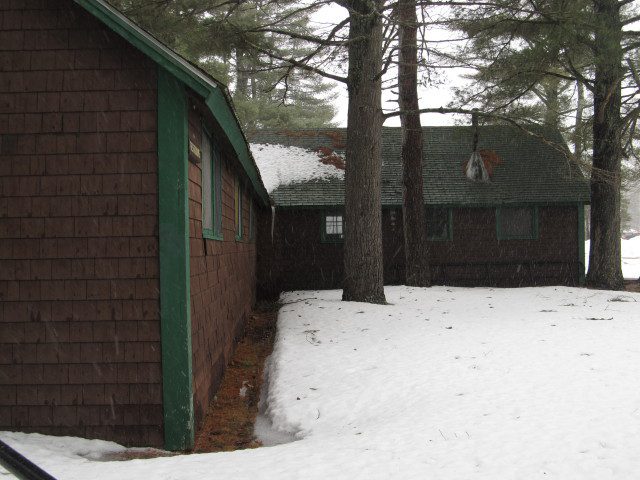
(529, 54)
(226, 40)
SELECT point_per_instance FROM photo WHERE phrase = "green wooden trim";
(219, 106)
(238, 209)
(188, 74)
(310, 207)
(502, 205)
(252, 221)
(217, 185)
(214, 233)
(175, 302)
(581, 246)
(324, 238)
(211, 235)
(443, 205)
(148, 45)
(535, 228)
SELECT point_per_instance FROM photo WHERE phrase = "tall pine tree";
(551, 45)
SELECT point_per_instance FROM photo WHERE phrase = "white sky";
(433, 96)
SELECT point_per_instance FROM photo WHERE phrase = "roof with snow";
(283, 165)
(532, 168)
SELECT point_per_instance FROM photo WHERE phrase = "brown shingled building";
(131, 212)
(523, 228)
(127, 265)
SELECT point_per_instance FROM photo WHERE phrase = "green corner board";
(196, 80)
(175, 304)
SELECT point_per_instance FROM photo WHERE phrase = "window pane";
(217, 190)
(251, 219)
(437, 223)
(238, 198)
(516, 222)
(207, 211)
(333, 225)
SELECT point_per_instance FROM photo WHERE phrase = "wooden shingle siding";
(79, 309)
(297, 259)
(223, 272)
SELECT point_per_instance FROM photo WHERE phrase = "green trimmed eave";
(316, 206)
(220, 106)
(197, 80)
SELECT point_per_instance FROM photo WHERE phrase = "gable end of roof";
(213, 92)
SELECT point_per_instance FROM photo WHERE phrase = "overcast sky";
(433, 96)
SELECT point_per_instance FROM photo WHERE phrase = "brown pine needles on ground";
(228, 423)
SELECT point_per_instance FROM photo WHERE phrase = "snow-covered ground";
(630, 257)
(444, 383)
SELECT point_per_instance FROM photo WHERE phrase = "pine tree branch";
(299, 64)
(630, 20)
(441, 110)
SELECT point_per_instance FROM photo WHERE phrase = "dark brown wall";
(223, 273)
(79, 313)
(508, 263)
(296, 258)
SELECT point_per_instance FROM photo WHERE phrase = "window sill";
(212, 236)
(330, 240)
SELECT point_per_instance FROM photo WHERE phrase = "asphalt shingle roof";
(531, 170)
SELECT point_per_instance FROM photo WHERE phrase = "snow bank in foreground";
(281, 165)
(443, 383)
(53, 451)
(630, 257)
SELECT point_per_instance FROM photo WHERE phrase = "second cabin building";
(524, 227)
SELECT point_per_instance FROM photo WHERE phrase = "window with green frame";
(438, 220)
(517, 223)
(211, 189)
(238, 208)
(252, 221)
(332, 226)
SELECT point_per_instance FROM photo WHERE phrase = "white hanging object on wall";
(476, 170)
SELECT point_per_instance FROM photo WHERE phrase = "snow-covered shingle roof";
(531, 171)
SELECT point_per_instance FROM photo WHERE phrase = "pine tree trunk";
(578, 141)
(415, 245)
(551, 88)
(363, 267)
(605, 270)
(241, 76)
